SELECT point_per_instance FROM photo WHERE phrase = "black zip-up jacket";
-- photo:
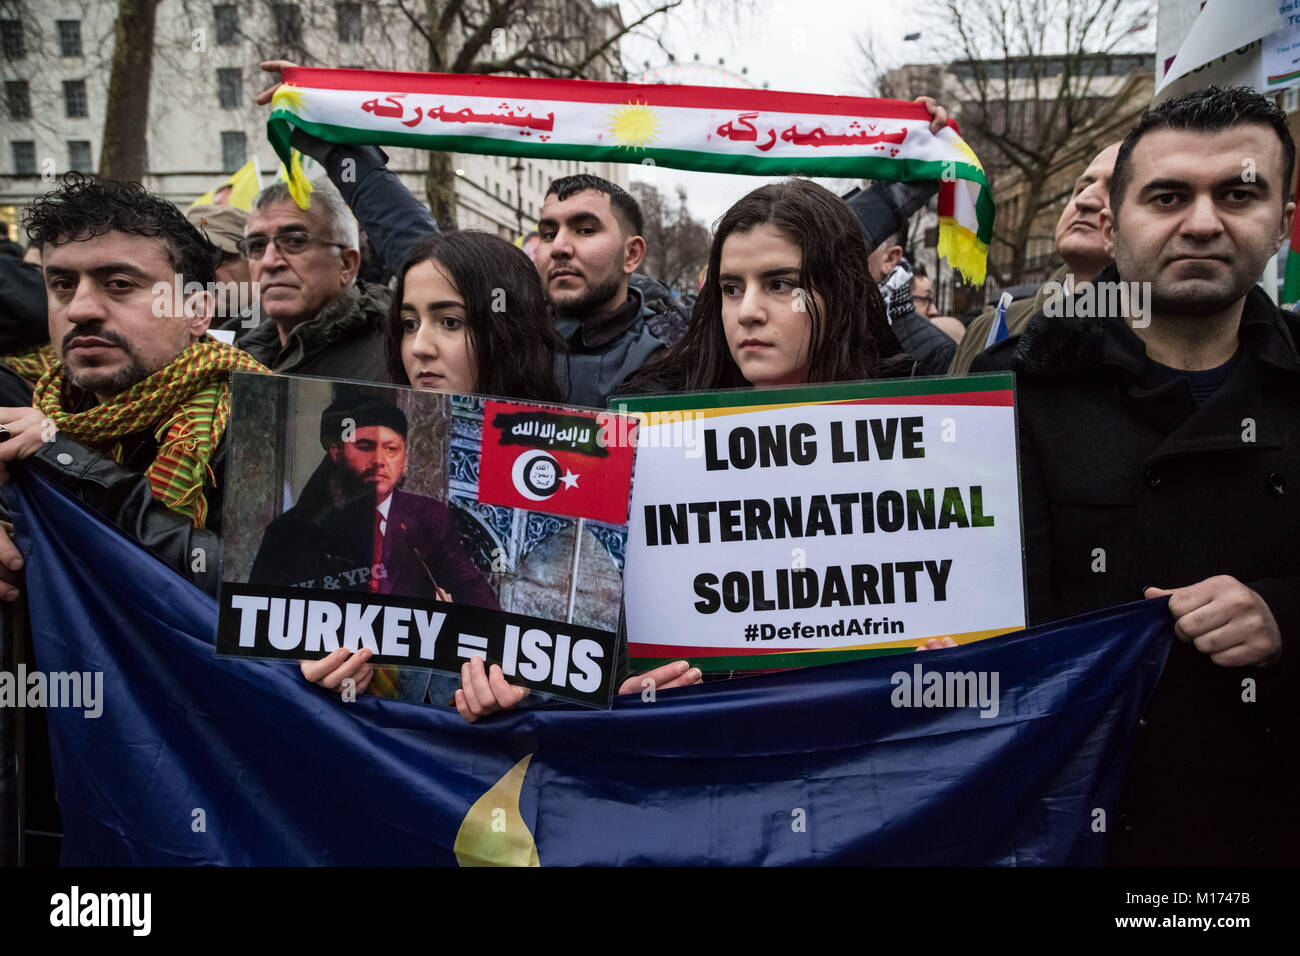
(1128, 483)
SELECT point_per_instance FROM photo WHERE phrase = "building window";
(79, 155)
(69, 37)
(25, 158)
(288, 24)
(349, 20)
(19, 99)
(234, 149)
(227, 21)
(11, 39)
(74, 98)
(230, 88)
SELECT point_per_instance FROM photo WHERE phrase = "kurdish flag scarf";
(186, 405)
(708, 129)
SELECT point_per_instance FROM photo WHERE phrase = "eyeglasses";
(925, 299)
(287, 243)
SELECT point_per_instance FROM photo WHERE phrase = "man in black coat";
(352, 529)
(1160, 455)
(929, 345)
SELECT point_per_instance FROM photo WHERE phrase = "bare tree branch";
(1033, 83)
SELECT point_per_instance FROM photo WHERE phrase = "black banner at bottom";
(568, 661)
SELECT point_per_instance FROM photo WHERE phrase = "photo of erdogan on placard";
(427, 527)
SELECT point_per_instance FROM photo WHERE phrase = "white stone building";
(203, 123)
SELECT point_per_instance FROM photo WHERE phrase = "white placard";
(825, 523)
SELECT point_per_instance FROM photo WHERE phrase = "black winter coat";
(1117, 458)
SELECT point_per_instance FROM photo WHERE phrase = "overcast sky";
(805, 46)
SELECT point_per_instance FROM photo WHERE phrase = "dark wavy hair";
(515, 348)
(851, 339)
(81, 208)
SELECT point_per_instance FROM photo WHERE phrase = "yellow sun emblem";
(288, 97)
(634, 125)
(968, 154)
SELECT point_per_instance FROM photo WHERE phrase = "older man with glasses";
(318, 319)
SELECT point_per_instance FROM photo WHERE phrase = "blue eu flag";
(203, 760)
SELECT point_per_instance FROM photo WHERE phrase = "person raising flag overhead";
(756, 132)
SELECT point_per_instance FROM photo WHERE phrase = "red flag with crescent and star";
(564, 461)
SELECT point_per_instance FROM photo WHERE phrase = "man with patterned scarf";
(130, 417)
(130, 413)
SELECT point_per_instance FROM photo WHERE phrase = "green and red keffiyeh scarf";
(709, 129)
(186, 405)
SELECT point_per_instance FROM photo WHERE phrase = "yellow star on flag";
(634, 125)
(288, 97)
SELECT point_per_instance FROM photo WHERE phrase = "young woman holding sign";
(469, 316)
(787, 300)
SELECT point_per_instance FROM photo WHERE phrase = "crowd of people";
(1156, 447)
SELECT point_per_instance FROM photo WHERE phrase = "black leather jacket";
(123, 497)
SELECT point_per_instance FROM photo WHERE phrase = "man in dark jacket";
(1160, 445)
(929, 345)
(590, 245)
(318, 320)
(351, 527)
(130, 416)
(137, 389)
(1078, 243)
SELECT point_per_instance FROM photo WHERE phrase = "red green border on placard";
(775, 660)
(749, 658)
(989, 384)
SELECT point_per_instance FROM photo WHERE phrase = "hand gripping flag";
(203, 760)
(708, 129)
